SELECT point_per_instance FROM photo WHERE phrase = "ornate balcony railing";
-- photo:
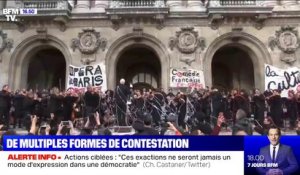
(49, 7)
(140, 7)
(136, 3)
(237, 7)
(237, 2)
(153, 9)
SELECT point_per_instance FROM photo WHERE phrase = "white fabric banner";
(282, 79)
(189, 78)
(90, 75)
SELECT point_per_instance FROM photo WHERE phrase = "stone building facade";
(141, 40)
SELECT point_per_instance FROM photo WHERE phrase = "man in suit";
(277, 153)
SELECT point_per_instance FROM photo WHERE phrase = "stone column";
(290, 5)
(288, 2)
(72, 3)
(195, 5)
(174, 5)
(84, 4)
(268, 3)
(2, 4)
(11, 4)
(100, 6)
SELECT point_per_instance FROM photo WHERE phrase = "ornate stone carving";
(187, 40)
(287, 41)
(62, 23)
(116, 21)
(259, 21)
(42, 33)
(187, 61)
(138, 31)
(160, 21)
(288, 58)
(5, 43)
(86, 59)
(2, 41)
(88, 41)
(215, 21)
(22, 26)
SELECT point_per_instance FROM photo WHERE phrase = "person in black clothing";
(18, 99)
(259, 106)
(275, 102)
(148, 130)
(29, 103)
(55, 105)
(243, 102)
(122, 93)
(181, 106)
(217, 105)
(138, 103)
(292, 108)
(68, 104)
(143, 125)
(92, 101)
(156, 99)
(240, 101)
(5, 104)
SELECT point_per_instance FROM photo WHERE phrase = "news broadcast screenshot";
(150, 86)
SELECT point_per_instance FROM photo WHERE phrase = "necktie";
(273, 156)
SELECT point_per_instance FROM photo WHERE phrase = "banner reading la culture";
(282, 79)
(89, 75)
(190, 78)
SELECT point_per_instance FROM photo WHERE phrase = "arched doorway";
(136, 41)
(30, 48)
(46, 69)
(140, 66)
(232, 67)
(249, 44)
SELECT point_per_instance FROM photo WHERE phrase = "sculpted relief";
(5, 43)
(187, 42)
(88, 41)
(287, 41)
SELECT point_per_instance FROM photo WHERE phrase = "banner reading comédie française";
(282, 79)
(189, 78)
(89, 75)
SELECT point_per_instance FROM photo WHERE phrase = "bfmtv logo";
(10, 14)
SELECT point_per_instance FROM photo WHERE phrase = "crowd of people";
(148, 111)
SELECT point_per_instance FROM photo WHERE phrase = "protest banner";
(188, 78)
(89, 75)
(282, 79)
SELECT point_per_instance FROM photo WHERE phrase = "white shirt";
(276, 150)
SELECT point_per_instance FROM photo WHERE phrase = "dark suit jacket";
(285, 158)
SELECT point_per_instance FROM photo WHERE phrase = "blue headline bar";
(123, 143)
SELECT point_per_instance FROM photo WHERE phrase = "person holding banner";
(122, 93)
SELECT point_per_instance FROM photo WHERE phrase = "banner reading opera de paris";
(89, 75)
